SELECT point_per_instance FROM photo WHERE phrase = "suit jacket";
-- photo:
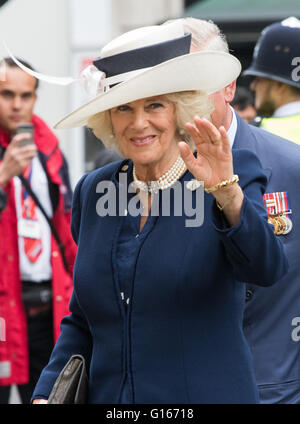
(180, 339)
(272, 317)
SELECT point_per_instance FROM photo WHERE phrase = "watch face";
(3, 199)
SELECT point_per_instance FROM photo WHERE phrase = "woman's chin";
(144, 158)
(143, 161)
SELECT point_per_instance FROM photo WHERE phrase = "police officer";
(276, 67)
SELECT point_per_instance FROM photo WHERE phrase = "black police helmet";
(277, 53)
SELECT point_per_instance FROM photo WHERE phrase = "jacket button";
(249, 294)
(59, 298)
(55, 254)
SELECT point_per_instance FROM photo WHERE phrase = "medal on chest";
(279, 212)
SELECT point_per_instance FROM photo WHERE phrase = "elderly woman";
(157, 305)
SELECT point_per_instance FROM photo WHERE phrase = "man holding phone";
(37, 251)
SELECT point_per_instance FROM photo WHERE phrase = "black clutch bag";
(71, 386)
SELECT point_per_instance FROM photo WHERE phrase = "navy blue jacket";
(272, 316)
(180, 340)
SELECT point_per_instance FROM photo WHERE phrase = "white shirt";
(288, 109)
(41, 269)
(231, 132)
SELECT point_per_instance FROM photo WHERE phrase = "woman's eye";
(122, 108)
(155, 105)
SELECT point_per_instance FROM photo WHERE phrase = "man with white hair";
(271, 319)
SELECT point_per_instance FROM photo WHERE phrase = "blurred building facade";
(60, 37)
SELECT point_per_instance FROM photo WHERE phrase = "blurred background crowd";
(60, 37)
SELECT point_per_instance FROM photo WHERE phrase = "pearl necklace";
(165, 181)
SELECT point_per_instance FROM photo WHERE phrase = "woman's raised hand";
(213, 163)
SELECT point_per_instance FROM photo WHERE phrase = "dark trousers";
(41, 342)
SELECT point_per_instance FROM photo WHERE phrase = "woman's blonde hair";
(188, 104)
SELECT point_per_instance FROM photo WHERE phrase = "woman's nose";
(139, 119)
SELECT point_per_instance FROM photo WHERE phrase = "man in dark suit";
(272, 317)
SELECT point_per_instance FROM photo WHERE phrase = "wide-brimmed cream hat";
(147, 62)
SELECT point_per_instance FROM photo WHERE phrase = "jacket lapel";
(244, 140)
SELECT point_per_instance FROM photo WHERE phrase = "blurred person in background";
(276, 68)
(243, 103)
(271, 317)
(106, 156)
(36, 265)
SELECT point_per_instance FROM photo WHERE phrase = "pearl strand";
(165, 181)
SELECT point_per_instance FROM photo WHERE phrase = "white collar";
(231, 132)
(288, 109)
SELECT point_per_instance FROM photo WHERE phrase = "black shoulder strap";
(54, 232)
(2, 151)
(53, 188)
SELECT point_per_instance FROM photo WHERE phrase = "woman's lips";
(142, 141)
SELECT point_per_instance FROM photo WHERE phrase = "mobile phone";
(25, 128)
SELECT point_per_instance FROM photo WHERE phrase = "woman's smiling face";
(145, 130)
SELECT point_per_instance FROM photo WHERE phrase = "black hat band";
(143, 57)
